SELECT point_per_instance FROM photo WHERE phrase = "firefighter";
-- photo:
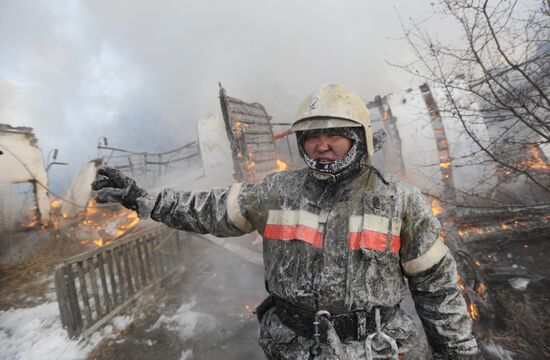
(339, 239)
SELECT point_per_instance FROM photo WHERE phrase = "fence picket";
(84, 293)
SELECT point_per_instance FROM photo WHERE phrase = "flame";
(481, 289)
(281, 165)
(445, 165)
(239, 127)
(534, 160)
(436, 208)
(33, 216)
(56, 203)
(537, 161)
(473, 311)
(97, 227)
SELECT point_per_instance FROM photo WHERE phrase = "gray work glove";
(113, 186)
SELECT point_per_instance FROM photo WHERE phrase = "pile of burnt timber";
(503, 262)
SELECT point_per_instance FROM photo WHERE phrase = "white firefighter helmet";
(333, 106)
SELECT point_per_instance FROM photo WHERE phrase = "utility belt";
(353, 326)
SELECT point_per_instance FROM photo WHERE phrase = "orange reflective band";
(294, 232)
(372, 240)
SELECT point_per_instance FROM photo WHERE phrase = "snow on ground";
(519, 283)
(186, 354)
(186, 322)
(36, 334)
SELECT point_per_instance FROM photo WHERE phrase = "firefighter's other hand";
(113, 186)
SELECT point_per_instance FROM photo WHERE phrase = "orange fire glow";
(94, 226)
(281, 165)
(473, 311)
(481, 289)
(536, 162)
(33, 216)
(436, 208)
(105, 224)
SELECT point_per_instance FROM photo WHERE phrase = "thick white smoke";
(142, 73)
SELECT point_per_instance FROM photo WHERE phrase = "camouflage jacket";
(342, 247)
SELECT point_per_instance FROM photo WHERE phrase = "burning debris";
(501, 258)
(95, 226)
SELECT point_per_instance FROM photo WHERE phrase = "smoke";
(142, 73)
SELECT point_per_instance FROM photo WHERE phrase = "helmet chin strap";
(349, 171)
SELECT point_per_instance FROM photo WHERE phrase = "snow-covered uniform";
(338, 237)
(343, 247)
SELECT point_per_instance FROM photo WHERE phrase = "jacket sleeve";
(217, 212)
(431, 272)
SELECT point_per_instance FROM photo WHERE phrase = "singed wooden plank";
(134, 263)
(106, 297)
(154, 258)
(95, 290)
(265, 138)
(111, 271)
(148, 260)
(254, 147)
(62, 298)
(127, 269)
(238, 110)
(248, 124)
(264, 156)
(76, 313)
(265, 166)
(140, 261)
(161, 256)
(121, 274)
(84, 294)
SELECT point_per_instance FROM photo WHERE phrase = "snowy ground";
(35, 332)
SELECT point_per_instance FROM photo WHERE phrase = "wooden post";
(128, 271)
(148, 261)
(140, 262)
(95, 291)
(132, 253)
(111, 272)
(62, 298)
(84, 293)
(106, 297)
(76, 313)
(121, 279)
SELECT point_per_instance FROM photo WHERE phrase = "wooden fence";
(95, 286)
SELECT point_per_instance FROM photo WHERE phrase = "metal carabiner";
(316, 322)
(391, 341)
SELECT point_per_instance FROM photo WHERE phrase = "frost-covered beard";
(339, 169)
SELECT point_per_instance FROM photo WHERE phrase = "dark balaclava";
(341, 169)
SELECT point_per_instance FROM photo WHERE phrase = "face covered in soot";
(332, 153)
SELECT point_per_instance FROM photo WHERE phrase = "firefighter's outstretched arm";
(431, 272)
(215, 212)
